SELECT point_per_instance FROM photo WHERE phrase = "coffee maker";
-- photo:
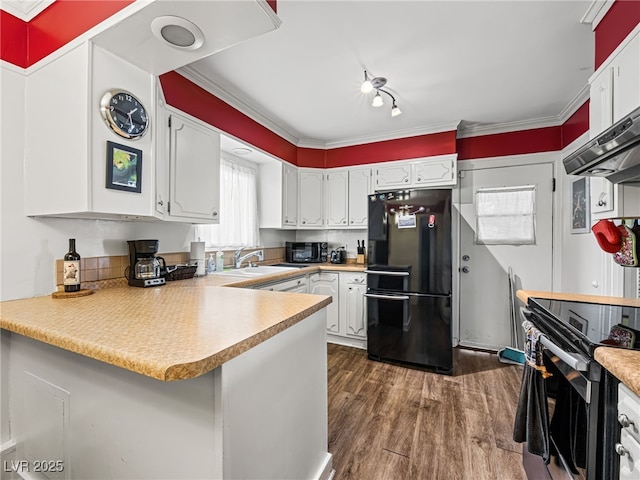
(145, 268)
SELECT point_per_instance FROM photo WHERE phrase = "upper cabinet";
(346, 197)
(277, 195)
(194, 171)
(417, 173)
(75, 164)
(615, 87)
(614, 92)
(159, 36)
(311, 196)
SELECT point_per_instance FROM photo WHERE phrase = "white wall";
(30, 246)
(334, 238)
(582, 266)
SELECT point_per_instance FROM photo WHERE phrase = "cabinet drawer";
(629, 405)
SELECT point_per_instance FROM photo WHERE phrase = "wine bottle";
(71, 271)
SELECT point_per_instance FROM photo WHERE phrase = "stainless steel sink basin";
(258, 271)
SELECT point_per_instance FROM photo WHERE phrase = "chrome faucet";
(237, 259)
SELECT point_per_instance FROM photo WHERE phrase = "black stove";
(585, 326)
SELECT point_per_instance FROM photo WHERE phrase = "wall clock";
(124, 114)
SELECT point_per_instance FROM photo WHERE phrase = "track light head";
(377, 100)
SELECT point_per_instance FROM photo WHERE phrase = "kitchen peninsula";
(187, 380)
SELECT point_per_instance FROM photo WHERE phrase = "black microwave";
(306, 252)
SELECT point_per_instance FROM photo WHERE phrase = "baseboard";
(326, 471)
(346, 341)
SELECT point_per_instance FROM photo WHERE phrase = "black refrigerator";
(409, 279)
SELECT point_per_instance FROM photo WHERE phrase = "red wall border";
(25, 43)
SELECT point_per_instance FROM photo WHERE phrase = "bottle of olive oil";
(71, 271)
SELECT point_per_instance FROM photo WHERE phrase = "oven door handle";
(387, 297)
(574, 360)
(385, 272)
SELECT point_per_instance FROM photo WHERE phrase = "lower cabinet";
(297, 285)
(347, 314)
(629, 446)
(326, 283)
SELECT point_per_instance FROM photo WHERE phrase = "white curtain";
(238, 209)
(506, 216)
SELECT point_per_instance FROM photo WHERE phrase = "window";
(506, 216)
(238, 225)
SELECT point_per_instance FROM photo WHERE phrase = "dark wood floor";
(393, 423)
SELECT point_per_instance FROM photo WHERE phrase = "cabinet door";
(601, 103)
(626, 80)
(326, 283)
(359, 189)
(311, 191)
(195, 170)
(353, 305)
(603, 199)
(289, 196)
(440, 172)
(337, 190)
(393, 176)
(356, 321)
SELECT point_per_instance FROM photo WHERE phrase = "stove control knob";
(621, 450)
(624, 420)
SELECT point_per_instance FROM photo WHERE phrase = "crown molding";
(25, 10)
(215, 89)
(468, 130)
(393, 135)
(596, 12)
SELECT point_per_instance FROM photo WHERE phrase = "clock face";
(124, 113)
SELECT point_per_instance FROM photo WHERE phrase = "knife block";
(360, 259)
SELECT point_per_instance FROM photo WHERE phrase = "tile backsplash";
(98, 272)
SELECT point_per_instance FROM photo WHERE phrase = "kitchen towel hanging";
(532, 414)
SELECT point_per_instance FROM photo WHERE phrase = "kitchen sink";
(258, 271)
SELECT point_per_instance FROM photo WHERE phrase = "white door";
(484, 286)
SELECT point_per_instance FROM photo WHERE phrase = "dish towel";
(532, 414)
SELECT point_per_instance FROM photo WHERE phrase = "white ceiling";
(491, 65)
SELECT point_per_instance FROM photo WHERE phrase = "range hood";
(614, 154)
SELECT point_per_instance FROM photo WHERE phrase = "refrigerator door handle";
(387, 297)
(384, 272)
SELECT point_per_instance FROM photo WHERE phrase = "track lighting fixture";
(376, 83)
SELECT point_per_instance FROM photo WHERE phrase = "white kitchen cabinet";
(290, 196)
(277, 195)
(292, 285)
(311, 198)
(194, 177)
(346, 198)
(629, 446)
(614, 92)
(65, 165)
(326, 283)
(615, 87)
(337, 195)
(417, 173)
(397, 175)
(353, 286)
(359, 189)
(440, 171)
(351, 326)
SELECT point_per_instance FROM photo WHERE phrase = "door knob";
(465, 258)
(466, 269)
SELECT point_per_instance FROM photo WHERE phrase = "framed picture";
(124, 168)
(580, 212)
(577, 322)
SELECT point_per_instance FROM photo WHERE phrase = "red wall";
(190, 98)
(620, 20)
(23, 44)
